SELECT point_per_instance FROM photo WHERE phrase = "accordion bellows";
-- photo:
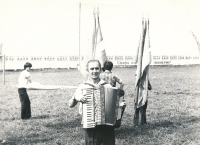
(102, 106)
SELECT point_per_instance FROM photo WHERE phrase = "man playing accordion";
(101, 131)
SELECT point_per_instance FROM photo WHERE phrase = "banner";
(142, 72)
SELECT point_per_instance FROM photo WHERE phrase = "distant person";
(108, 76)
(23, 80)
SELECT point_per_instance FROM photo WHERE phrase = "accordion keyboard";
(88, 109)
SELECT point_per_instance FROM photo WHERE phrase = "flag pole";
(79, 36)
(2, 56)
(3, 68)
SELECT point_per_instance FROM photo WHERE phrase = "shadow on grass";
(35, 117)
(66, 124)
(148, 128)
(29, 139)
(44, 116)
(38, 138)
(141, 129)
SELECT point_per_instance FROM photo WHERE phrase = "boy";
(108, 76)
(23, 80)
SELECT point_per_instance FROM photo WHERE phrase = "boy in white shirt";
(23, 80)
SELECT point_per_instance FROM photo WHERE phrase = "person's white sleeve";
(76, 97)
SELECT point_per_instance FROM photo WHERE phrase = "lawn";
(173, 112)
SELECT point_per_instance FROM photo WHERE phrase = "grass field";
(173, 112)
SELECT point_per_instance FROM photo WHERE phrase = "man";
(108, 76)
(23, 80)
(101, 134)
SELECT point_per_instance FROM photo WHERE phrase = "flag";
(92, 53)
(99, 37)
(89, 53)
(142, 72)
(100, 53)
(135, 57)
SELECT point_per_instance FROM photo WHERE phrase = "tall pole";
(79, 36)
(2, 56)
(4, 69)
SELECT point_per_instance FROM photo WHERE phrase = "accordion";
(102, 106)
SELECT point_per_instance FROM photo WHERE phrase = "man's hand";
(83, 99)
(122, 105)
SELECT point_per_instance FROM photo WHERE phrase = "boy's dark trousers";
(25, 103)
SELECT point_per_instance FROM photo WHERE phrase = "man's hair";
(27, 65)
(108, 65)
(93, 60)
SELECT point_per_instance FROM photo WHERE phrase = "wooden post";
(79, 36)
(3, 58)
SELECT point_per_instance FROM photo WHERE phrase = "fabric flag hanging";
(92, 53)
(89, 53)
(147, 51)
(100, 53)
(99, 37)
(135, 57)
(142, 73)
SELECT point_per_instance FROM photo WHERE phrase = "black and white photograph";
(99, 72)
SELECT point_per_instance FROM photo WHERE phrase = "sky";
(51, 27)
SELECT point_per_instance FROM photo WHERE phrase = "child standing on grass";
(108, 76)
(23, 80)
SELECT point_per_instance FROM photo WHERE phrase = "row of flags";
(143, 57)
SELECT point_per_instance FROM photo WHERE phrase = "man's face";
(94, 70)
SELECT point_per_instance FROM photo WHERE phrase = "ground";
(172, 114)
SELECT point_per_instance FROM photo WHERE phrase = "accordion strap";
(89, 84)
(94, 85)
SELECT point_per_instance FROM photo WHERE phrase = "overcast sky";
(51, 27)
